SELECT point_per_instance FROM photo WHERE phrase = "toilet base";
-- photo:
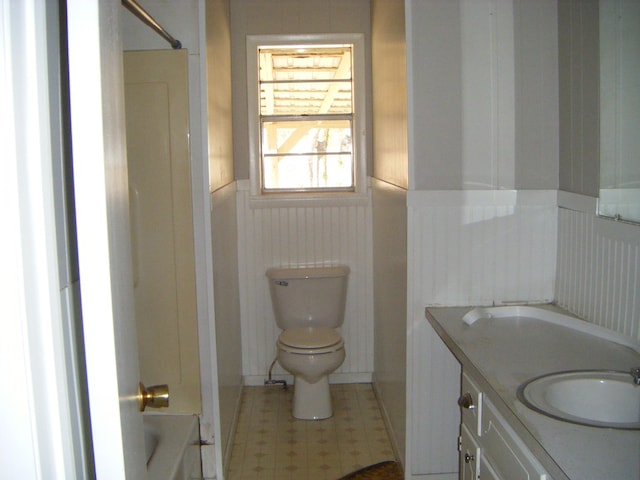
(312, 401)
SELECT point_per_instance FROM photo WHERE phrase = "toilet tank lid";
(308, 272)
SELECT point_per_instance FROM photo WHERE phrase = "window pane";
(312, 171)
(307, 154)
(305, 98)
(306, 136)
(305, 63)
(304, 80)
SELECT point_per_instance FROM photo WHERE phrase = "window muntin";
(306, 116)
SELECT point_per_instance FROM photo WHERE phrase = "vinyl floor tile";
(271, 444)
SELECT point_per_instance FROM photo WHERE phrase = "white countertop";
(504, 352)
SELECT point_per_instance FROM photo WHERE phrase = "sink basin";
(596, 398)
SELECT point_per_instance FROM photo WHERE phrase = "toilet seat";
(310, 340)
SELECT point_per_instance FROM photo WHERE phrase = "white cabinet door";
(469, 456)
(489, 448)
(487, 471)
(505, 450)
(473, 465)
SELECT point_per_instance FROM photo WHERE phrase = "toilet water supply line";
(269, 381)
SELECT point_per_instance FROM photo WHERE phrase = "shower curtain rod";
(141, 13)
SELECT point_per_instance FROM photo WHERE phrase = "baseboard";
(387, 423)
(436, 476)
(226, 462)
(337, 378)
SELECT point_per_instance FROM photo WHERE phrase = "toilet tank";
(308, 297)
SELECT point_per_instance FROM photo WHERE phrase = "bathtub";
(172, 447)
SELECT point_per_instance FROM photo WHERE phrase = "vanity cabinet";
(498, 349)
(489, 448)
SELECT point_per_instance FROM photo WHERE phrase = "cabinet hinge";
(460, 443)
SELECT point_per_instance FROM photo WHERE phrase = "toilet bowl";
(309, 304)
(311, 354)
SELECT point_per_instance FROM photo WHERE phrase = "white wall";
(227, 313)
(219, 91)
(482, 78)
(536, 94)
(483, 128)
(224, 339)
(390, 167)
(390, 304)
(579, 96)
(389, 82)
(482, 247)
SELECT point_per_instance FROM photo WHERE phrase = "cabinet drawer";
(470, 402)
(502, 448)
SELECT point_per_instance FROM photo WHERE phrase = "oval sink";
(595, 398)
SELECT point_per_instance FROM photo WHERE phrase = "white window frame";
(359, 192)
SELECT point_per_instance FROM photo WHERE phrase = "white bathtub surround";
(598, 273)
(177, 453)
(305, 235)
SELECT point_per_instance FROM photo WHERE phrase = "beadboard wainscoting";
(476, 247)
(598, 275)
(287, 236)
(227, 325)
(433, 389)
(466, 248)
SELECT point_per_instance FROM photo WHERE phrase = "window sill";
(286, 200)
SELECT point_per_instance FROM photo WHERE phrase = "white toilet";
(309, 304)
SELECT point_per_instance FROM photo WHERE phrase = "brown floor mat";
(380, 471)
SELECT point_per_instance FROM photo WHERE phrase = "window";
(305, 112)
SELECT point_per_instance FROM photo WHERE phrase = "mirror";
(620, 109)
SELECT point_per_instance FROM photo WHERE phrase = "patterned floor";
(270, 444)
